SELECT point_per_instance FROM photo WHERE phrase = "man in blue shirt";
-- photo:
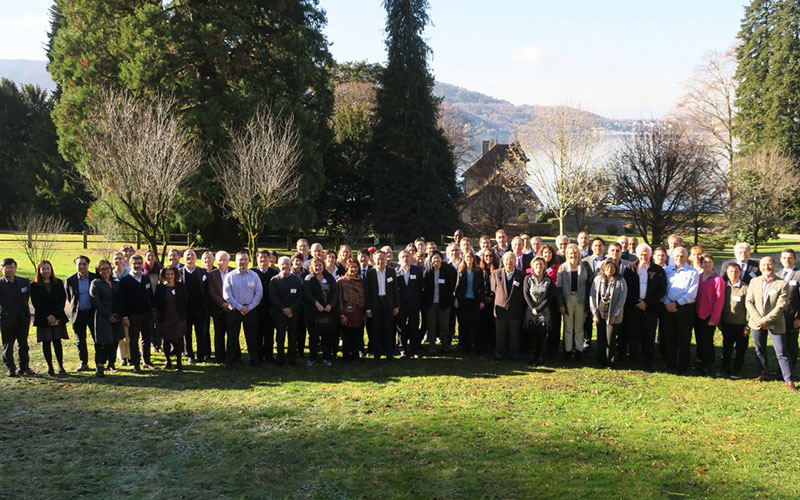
(242, 292)
(679, 310)
(79, 307)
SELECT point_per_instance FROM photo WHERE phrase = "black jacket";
(71, 289)
(656, 285)
(265, 277)
(181, 299)
(447, 285)
(410, 295)
(477, 285)
(14, 298)
(312, 293)
(371, 289)
(48, 303)
(195, 288)
(136, 297)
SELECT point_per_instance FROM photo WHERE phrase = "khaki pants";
(573, 324)
(124, 347)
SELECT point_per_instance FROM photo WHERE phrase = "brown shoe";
(760, 378)
(790, 386)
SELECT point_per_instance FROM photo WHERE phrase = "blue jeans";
(779, 345)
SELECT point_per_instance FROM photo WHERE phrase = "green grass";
(445, 427)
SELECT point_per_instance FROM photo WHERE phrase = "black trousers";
(266, 335)
(175, 347)
(704, 341)
(235, 322)
(382, 332)
(84, 320)
(791, 340)
(352, 341)
(141, 329)
(467, 320)
(407, 322)
(285, 335)
(322, 337)
(639, 328)
(196, 320)
(485, 333)
(607, 345)
(14, 330)
(676, 334)
(733, 338)
(105, 353)
(537, 335)
(221, 334)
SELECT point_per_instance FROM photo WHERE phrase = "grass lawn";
(442, 427)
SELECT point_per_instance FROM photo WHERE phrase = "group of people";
(517, 299)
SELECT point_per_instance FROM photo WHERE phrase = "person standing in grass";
(242, 292)
(468, 300)
(679, 311)
(484, 332)
(607, 302)
(79, 307)
(509, 307)
(321, 295)
(791, 275)
(15, 318)
(265, 270)
(767, 296)
(48, 298)
(121, 270)
(733, 322)
(710, 300)
(285, 298)
(539, 292)
(105, 295)
(646, 284)
(351, 310)
(171, 302)
(136, 306)
(575, 278)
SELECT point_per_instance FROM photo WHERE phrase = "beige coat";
(770, 314)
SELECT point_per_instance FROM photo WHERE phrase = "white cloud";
(27, 21)
(527, 54)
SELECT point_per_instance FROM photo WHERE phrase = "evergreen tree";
(411, 166)
(768, 71)
(219, 61)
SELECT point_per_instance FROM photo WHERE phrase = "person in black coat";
(194, 280)
(380, 295)
(171, 311)
(468, 300)
(409, 301)
(299, 270)
(136, 303)
(48, 298)
(642, 307)
(80, 310)
(285, 298)
(741, 252)
(439, 283)
(15, 318)
(266, 328)
(320, 294)
(108, 331)
(509, 307)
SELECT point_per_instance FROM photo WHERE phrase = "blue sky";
(619, 58)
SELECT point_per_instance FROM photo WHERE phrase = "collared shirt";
(787, 273)
(519, 263)
(682, 284)
(642, 281)
(404, 273)
(119, 276)
(242, 289)
(84, 301)
(381, 282)
(435, 286)
(764, 287)
(364, 272)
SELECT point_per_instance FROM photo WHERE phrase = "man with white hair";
(285, 298)
(218, 307)
(674, 241)
(562, 241)
(647, 284)
(741, 253)
(317, 252)
(679, 310)
(389, 257)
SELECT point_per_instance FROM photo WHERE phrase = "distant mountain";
(27, 71)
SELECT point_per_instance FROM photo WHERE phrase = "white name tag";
(441, 281)
(412, 276)
(147, 286)
(173, 292)
(752, 274)
(204, 277)
(389, 279)
(516, 283)
(324, 280)
(23, 289)
(251, 284)
(736, 298)
(793, 283)
(773, 292)
(293, 290)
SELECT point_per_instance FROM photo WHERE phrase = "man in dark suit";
(217, 305)
(285, 298)
(380, 297)
(439, 284)
(15, 318)
(194, 279)
(741, 253)
(791, 275)
(409, 288)
(647, 284)
(503, 245)
(522, 261)
(595, 260)
(79, 305)
(509, 307)
(266, 326)
(136, 309)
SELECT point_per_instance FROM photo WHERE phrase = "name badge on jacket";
(23, 289)
(516, 283)
(389, 279)
(793, 283)
(752, 274)
(441, 281)
(412, 276)
(173, 291)
(772, 292)
(147, 286)
(204, 277)
(293, 290)
(736, 298)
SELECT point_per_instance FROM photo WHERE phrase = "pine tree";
(412, 169)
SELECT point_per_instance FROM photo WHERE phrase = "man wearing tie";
(409, 288)
(363, 264)
(750, 267)
(791, 275)
(218, 306)
(509, 307)
(266, 327)
(380, 293)
(439, 283)
(194, 280)
(767, 297)
(522, 261)
(595, 260)
(285, 298)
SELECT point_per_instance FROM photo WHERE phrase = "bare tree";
(564, 146)
(111, 235)
(138, 156)
(766, 186)
(460, 134)
(37, 235)
(260, 172)
(656, 170)
(707, 106)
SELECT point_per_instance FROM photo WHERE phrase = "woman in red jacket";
(710, 300)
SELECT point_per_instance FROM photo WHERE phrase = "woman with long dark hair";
(48, 298)
(104, 293)
(171, 303)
